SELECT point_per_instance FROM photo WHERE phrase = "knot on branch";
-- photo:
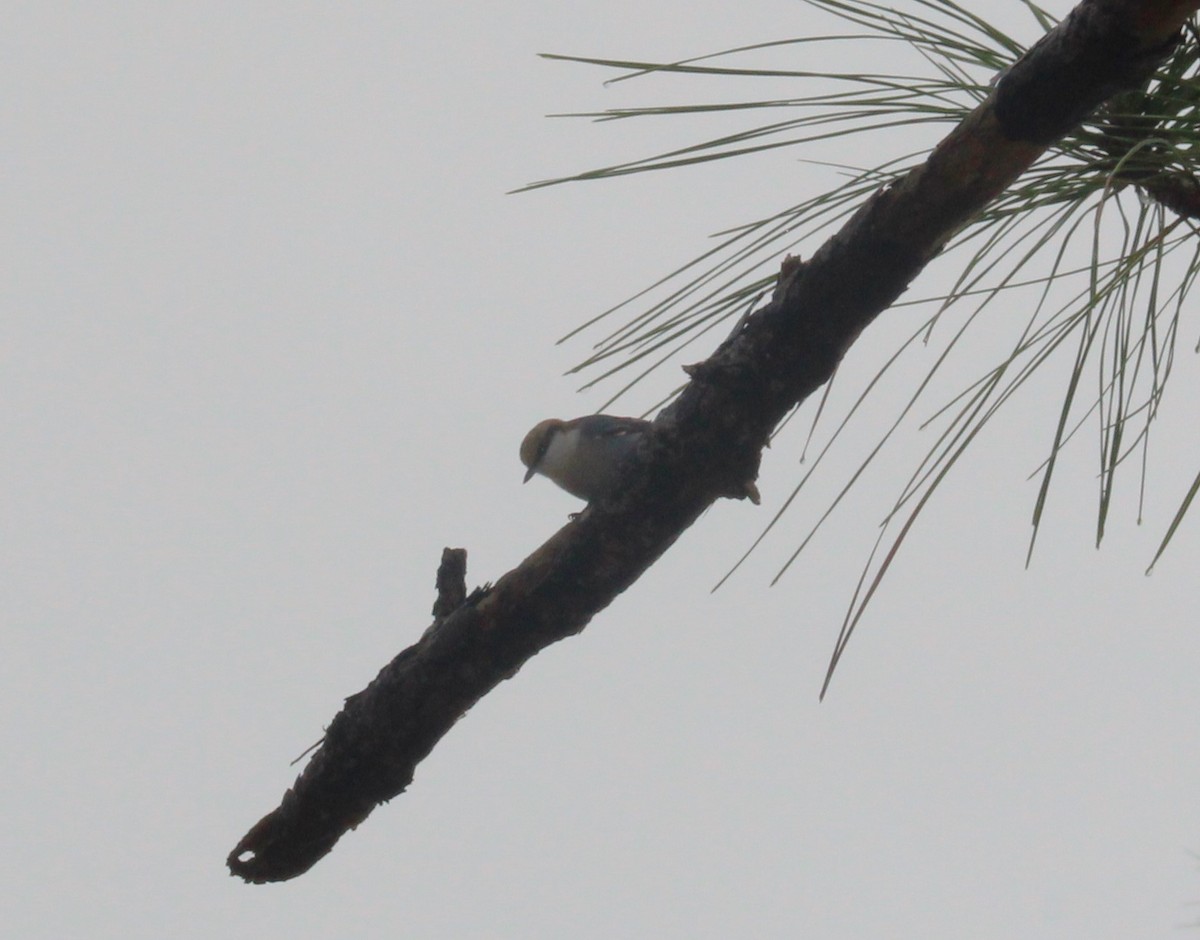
(451, 582)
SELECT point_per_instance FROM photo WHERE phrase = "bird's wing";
(611, 426)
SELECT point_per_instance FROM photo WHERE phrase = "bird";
(585, 456)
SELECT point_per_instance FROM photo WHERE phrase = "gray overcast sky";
(271, 335)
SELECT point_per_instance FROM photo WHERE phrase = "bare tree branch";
(708, 442)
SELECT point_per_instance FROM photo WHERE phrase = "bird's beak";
(529, 475)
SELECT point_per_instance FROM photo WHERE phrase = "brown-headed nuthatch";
(585, 455)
